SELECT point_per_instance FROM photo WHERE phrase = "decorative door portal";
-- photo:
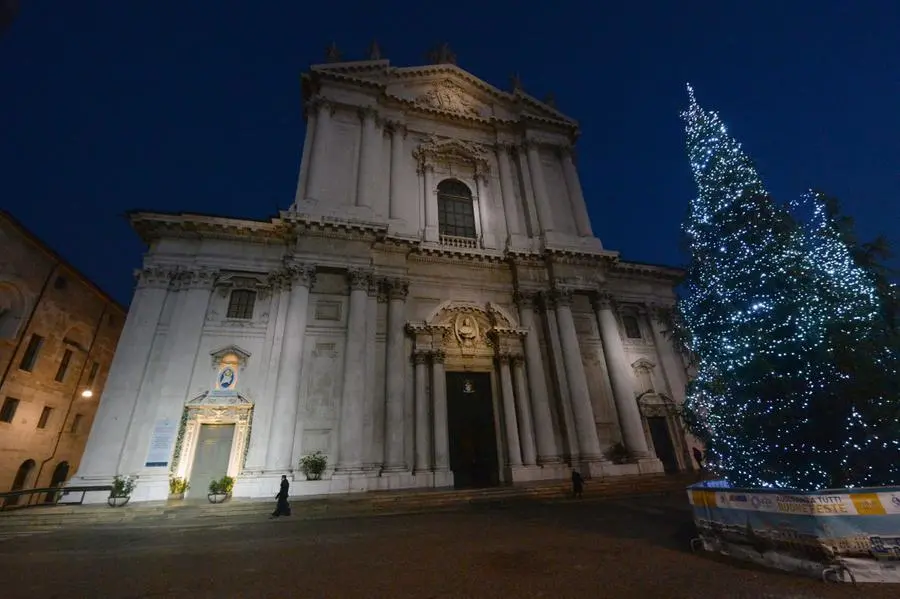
(473, 440)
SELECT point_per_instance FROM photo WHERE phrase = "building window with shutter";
(8, 411)
(31, 353)
(63, 366)
(92, 376)
(240, 304)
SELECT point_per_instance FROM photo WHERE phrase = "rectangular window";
(63, 366)
(8, 411)
(31, 353)
(456, 218)
(76, 423)
(92, 376)
(45, 417)
(240, 305)
(632, 328)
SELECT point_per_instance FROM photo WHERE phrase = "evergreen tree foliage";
(796, 383)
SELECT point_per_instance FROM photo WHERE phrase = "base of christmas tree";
(840, 535)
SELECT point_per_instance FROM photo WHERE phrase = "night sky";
(195, 106)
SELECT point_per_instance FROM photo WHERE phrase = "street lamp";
(87, 393)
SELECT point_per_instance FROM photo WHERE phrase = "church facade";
(433, 310)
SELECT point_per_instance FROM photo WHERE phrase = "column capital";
(368, 112)
(602, 300)
(375, 289)
(154, 277)
(322, 105)
(504, 358)
(396, 127)
(302, 275)
(198, 278)
(438, 357)
(561, 296)
(525, 299)
(397, 288)
(420, 357)
(505, 147)
(518, 360)
(359, 279)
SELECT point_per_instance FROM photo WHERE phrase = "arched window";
(20, 480)
(12, 308)
(456, 211)
(60, 474)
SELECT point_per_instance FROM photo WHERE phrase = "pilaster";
(398, 133)
(395, 383)
(318, 169)
(353, 397)
(368, 158)
(439, 405)
(488, 236)
(510, 210)
(423, 422)
(513, 448)
(526, 428)
(286, 430)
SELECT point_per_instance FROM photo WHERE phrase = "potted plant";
(220, 490)
(122, 487)
(178, 487)
(313, 465)
(617, 454)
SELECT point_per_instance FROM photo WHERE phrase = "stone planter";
(118, 501)
(313, 476)
(176, 496)
(217, 497)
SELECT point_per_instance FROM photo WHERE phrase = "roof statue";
(515, 82)
(332, 54)
(374, 51)
(442, 55)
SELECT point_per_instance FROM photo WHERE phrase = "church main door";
(473, 442)
(211, 457)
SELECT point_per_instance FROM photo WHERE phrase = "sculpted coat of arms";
(450, 97)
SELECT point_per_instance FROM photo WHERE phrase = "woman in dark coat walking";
(282, 508)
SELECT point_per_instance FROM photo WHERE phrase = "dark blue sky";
(195, 106)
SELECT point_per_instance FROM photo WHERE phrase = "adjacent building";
(58, 334)
(432, 310)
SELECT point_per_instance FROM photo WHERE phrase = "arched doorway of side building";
(60, 475)
(21, 480)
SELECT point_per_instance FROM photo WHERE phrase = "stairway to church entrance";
(210, 457)
(473, 439)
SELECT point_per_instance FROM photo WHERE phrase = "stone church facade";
(433, 310)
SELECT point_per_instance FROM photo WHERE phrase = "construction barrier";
(850, 535)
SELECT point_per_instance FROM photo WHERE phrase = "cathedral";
(432, 310)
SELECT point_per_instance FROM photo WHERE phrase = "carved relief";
(448, 96)
(436, 150)
(466, 329)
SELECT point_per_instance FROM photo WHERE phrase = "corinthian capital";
(198, 278)
(602, 300)
(525, 299)
(398, 289)
(154, 277)
(359, 279)
(561, 297)
(302, 275)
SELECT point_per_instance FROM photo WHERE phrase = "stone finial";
(550, 100)
(374, 51)
(332, 54)
(442, 54)
(515, 82)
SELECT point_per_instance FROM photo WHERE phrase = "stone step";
(332, 506)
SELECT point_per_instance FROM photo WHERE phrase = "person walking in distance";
(282, 508)
(701, 469)
(577, 484)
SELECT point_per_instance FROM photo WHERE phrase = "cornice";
(652, 271)
(152, 226)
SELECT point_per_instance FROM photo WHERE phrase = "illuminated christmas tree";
(780, 316)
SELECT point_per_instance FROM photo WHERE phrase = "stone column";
(353, 396)
(318, 169)
(439, 405)
(507, 188)
(395, 384)
(398, 132)
(287, 388)
(373, 418)
(585, 427)
(106, 442)
(540, 398)
(368, 158)
(488, 238)
(423, 422)
(432, 228)
(540, 187)
(307, 151)
(526, 429)
(620, 376)
(514, 450)
(576, 196)
(566, 421)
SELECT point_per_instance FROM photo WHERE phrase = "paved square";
(636, 548)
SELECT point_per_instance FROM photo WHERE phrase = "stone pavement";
(633, 547)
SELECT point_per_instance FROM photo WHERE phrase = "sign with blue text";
(847, 534)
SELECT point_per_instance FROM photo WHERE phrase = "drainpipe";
(87, 360)
(15, 352)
